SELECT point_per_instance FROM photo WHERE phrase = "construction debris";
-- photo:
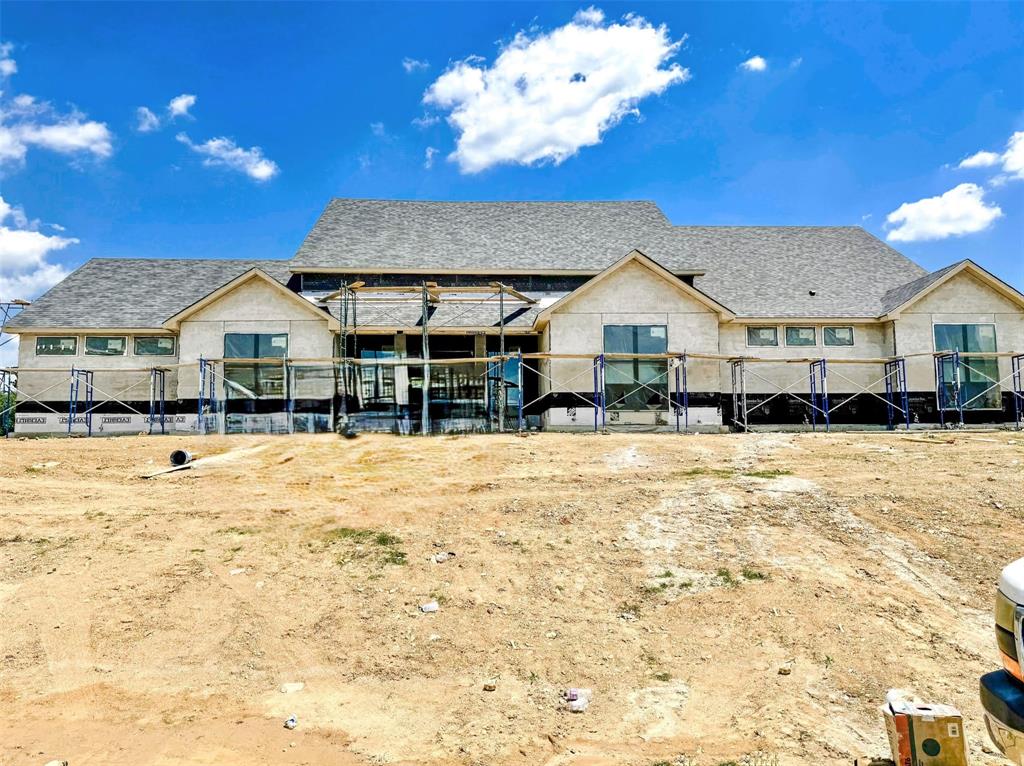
(440, 558)
(916, 728)
(291, 722)
(577, 700)
(292, 687)
(430, 606)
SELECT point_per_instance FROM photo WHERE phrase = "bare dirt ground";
(154, 621)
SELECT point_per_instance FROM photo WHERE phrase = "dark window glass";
(838, 336)
(977, 374)
(762, 336)
(154, 346)
(255, 380)
(255, 345)
(636, 384)
(56, 346)
(800, 336)
(104, 345)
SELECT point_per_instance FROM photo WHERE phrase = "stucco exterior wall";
(870, 341)
(578, 328)
(964, 299)
(252, 307)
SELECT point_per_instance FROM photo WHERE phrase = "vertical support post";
(519, 381)
(940, 390)
(597, 403)
(289, 401)
(425, 415)
(501, 353)
(957, 386)
(735, 393)
(604, 396)
(89, 399)
(72, 399)
(890, 371)
(814, 398)
(904, 393)
(679, 394)
(824, 395)
(1017, 368)
(743, 395)
(686, 397)
(200, 422)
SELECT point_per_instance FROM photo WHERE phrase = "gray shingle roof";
(754, 270)
(481, 236)
(900, 295)
(409, 313)
(134, 292)
(771, 270)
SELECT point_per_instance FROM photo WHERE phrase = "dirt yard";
(721, 595)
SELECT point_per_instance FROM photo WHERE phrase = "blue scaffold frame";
(158, 398)
(79, 376)
(896, 388)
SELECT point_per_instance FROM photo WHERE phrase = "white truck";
(1002, 691)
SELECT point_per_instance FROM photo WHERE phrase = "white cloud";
(24, 269)
(980, 160)
(411, 65)
(426, 121)
(377, 128)
(147, 121)
(1011, 160)
(223, 152)
(755, 64)
(179, 105)
(961, 210)
(26, 122)
(428, 161)
(795, 63)
(1013, 157)
(548, 94)
(8, 66)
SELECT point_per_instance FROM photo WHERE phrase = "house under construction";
(441, 317)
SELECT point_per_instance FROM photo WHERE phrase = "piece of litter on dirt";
(785, 670)
(431, 606)
(291, 722)
(440, 558)
(56, 763)
(577, 699)
(259, 584)
(490, 686)
(292, 687)
(239, 571)
(433, 637)
(39, 467)
(551, 634)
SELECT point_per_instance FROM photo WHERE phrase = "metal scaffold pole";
(519, 381)
(501, 356)
(425, 415)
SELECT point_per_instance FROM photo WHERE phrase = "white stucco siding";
(577, 327)
(125, 377)
(870, 341)
(964, 299)
(252, 307)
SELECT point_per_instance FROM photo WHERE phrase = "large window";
(976, 373)
(57, 346)
(762, 336)
(838, 336)
(106, 345)
(801, 336)
(254, 380)
(636, 384)
(154, 346)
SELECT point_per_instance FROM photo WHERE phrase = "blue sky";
(722, 113)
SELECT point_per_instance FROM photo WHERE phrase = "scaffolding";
(819, 404)
(305, 397)
(392, 303)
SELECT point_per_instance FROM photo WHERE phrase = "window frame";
(749, 327)
(74, 338)
(812, 328)
(137, 338)
(850, 327)
(964, 355)
(87, 338)
(635, 365)
(257, 335)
